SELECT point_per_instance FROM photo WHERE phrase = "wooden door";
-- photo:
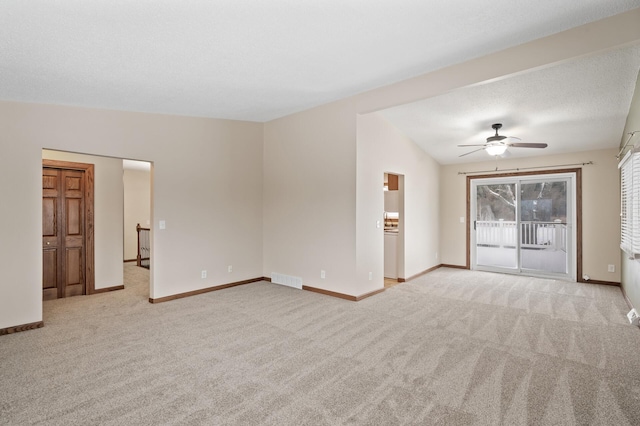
(64, 233)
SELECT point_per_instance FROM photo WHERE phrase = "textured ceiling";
(574, 106)
(254, 60)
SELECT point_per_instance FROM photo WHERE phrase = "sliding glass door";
(495, 225)
(544, 221)
(524, 225)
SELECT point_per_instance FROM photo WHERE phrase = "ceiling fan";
(497, 144)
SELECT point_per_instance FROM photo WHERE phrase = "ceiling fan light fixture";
(494, 150)
(497, 145)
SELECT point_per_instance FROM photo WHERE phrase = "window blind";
(630, 204)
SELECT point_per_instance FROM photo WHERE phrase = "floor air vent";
(288, 280)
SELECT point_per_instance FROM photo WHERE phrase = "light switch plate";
(162, 224)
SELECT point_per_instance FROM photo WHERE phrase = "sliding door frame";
(516, 175)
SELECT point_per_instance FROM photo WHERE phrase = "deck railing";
(533, 235)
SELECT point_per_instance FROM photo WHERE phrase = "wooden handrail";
(139, 257)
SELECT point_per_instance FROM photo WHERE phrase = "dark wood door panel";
(74, 267)
(49, 293)
(49, 274)
(74, 217)
(50, 234)
(74, 285)
(74, 241)
(49, 242)
(49, 180)
(50, 185)
(67, 229)
(73, 183)
(49, 217)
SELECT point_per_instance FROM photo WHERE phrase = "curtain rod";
(627, 143)
(525, 168)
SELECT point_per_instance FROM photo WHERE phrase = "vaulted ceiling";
(577, 105)
(255, 60)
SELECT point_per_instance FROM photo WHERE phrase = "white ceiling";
(578, 105)
(259, 60)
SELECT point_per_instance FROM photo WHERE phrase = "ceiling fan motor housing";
(496, 137)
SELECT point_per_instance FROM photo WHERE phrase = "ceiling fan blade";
(528, 145)
(475, 144)
(470, 152)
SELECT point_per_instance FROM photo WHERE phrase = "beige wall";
(309, 197)
(600, 208)
(137, 208)
(382, 148)
(310, 161)
(320, 211)
(207, 187)
(108, 204)
(631, 268)
(219, 184)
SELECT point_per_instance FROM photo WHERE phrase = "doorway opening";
(137, 229)
(109, 272)
(393, 188)
(525, 224)
(137, 212)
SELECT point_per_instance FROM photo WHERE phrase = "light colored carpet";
(453, 347)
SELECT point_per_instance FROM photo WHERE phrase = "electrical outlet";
(230, 268)
(611, 268)
(370, 276)
(436, 255)
(203, 274)
(323, 274)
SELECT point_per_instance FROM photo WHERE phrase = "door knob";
(48, 243)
